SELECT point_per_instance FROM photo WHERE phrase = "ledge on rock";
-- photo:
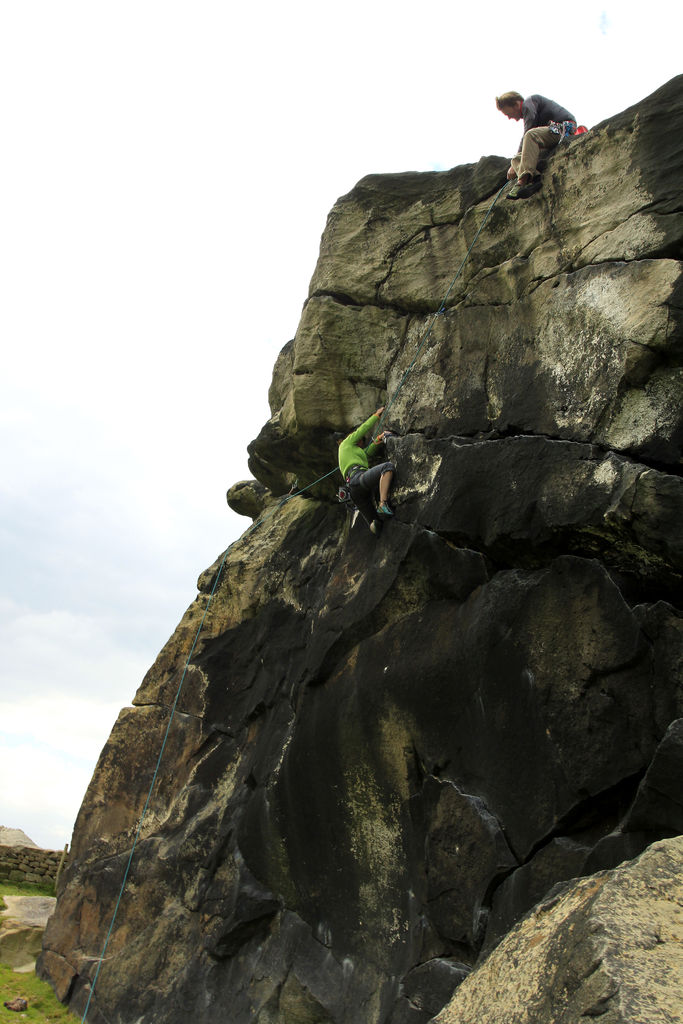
(565, 322)
(249, 498)
(523, 500)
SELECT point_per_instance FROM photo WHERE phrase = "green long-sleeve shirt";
(350, 452)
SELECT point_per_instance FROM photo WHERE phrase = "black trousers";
(364, 486)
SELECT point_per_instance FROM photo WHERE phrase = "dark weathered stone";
(426, 989)
(560, 859)
(659, 800)
(523, 499)
(465, 853)
(617, 847)
(249, 498)
(384, 751)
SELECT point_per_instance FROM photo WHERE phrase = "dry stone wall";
(29, 864)
(607, 948)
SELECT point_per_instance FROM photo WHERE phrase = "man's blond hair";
(508, 99)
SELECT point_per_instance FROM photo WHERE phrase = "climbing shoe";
(524, 191)
(384, 509)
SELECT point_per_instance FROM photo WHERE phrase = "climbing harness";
(567, 130)
(563, 128)
(344, 497)
(254, 525)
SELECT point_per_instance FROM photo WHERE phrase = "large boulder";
(608, 946)
(22, 924)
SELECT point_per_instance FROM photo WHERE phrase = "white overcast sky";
(166, 173)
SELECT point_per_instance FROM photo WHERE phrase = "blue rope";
(253, 526)
(151, 788)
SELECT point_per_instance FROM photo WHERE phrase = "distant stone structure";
(15, 837)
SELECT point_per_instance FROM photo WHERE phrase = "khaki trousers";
(533, 142)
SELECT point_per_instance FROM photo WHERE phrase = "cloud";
(48, 749)
(75, 727)
(60, 652)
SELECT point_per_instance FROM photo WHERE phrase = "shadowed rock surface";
(386, 753)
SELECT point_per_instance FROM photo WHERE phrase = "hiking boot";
(384, 509)
(524, 191)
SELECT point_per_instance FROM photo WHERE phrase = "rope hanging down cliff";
(254, 525)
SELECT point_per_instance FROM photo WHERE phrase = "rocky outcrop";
(607, 947)
(385, 753)
(15, 837)
(565, 322)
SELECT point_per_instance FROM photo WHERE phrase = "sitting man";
(363, 481)
(545, 123)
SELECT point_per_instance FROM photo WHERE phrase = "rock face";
(22, 924)
(607, 947)
(385, 753)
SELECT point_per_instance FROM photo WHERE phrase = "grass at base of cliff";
(43, 1005)
(23, 889)
(26, 889)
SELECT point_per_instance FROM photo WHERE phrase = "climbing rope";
(149, 795)
(174, 706)
(257, 522)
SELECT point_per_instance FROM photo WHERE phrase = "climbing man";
(545, 124)
(362, 481)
